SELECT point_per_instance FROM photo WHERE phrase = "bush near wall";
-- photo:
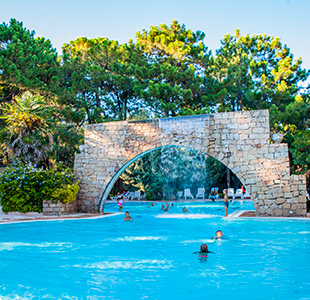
(24, 187)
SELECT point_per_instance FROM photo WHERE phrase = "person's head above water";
(203, 248)
(219, 234)
(127, 213)
(171, 204)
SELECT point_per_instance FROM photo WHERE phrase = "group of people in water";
(164, 208)
(121, 202)
(204, 250)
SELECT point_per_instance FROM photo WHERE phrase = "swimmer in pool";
(163, 208)
(171, 205)
(203, 251)
(219, 235)
(185, 210)
(152, 204)
(167, 207)
(127, 218)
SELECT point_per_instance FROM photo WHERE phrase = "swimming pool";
(152, 257)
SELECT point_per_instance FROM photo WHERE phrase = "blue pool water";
(152, 257)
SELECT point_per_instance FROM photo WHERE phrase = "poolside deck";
(248, 213)
(242, 214)
(15, 217)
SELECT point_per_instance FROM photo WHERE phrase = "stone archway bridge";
(240, 140)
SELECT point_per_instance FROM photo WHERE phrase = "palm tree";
(27, 133)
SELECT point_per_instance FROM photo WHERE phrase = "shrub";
(23, 187)
(66, 194)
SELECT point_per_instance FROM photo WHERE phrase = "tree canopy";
(26, 63)
(166, 71)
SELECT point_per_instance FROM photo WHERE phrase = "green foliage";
(168, 71)
(257, 72)
(23, 187)
(174, 80)
(65, 194)
(100, 78)
(300, 150)
(27, 133)
(26, 63)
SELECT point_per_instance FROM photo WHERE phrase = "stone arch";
(105, 193)
(240, 140)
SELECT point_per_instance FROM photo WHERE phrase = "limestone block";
(250, 181)
(278, 213)
(288, 195)
(291, 200)
(258, 130)
(294, 206)
(299, 206)
(280, 200)
(294, 187)
(301, 199)
(286, 212)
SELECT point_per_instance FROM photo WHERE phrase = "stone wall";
(57, 209)
(240, 140)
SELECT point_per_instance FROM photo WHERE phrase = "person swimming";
(203, 251)
(167, 207)
(218, 235)
(127, 217)
(203, 248)
(185, 210)
(171, 205)
(152, 205)
(164, 209)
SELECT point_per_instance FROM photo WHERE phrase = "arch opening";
(105, 194)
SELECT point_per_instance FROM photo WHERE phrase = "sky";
(61, 21)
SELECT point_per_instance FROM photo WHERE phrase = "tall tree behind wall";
(257, 72)
(100, 78)
(175, 78)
